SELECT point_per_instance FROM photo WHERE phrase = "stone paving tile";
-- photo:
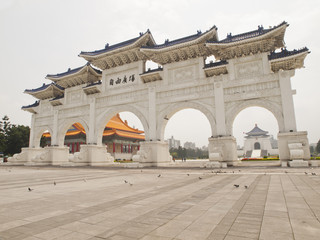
(277, 205)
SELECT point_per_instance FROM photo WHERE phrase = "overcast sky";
(40, 37)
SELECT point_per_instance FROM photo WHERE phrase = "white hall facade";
(250, 70)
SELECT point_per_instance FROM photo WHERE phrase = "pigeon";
(30, 189)
(131, 184)
(313, 173)
(245, 186)
(232, 171)
(236, 185)
(305, 173)
(54, 183)
(188, 174)
(125, 181)
(159, 175)
(200, 178)
(285, 171)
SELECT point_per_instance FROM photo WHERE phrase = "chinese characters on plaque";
(122, 80)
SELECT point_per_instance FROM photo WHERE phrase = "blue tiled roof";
(256, 131)
(72, 71)
(260, 31)
(109, 48)
(215, 64)
(32, 105)
(168, 43)
(285, 53)
(43, 87)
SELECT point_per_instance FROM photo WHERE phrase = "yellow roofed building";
(121, 140)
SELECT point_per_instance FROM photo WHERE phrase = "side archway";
(38, 134)
(170, 110)
(105, 117)
(233, 111)
(66, 125)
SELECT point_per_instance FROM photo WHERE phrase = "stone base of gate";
(294, 149)
(91, 155)
(153, 153)
(50, 156)
(26, 156)
(224, 150)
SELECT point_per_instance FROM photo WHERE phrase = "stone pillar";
(91, 134)
(219, 107)
(31, 139)
(287, 101)
(54, 137)
(152, 114)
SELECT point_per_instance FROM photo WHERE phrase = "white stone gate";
(247, 72)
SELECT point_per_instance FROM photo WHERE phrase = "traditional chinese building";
(259, 144)
(122, 141)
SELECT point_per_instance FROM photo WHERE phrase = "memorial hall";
(251, 69)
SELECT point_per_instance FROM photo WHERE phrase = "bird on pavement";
(245, 186)
(125, 181)
(54, 183)
(236, 185)
(200, 178)
(159, 175)
(30, 189)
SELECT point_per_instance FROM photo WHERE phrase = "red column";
(138, 147)
(78, 147)
(121, 148)
(72, 147)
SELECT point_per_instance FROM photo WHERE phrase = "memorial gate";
(250, 69)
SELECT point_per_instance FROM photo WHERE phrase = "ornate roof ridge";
(247, 35)
(285, 53)
(72, 71)
(109, 48)
(43, 87)
(168, 43)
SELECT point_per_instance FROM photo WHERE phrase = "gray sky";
(40, 37)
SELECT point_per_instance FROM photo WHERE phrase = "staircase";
(256, 153)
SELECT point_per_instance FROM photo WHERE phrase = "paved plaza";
(159, 203)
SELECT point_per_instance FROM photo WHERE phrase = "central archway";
(170, 110)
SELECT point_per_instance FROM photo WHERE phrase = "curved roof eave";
(117, 47)
(281, 27)
(74, 72)
(181, 42)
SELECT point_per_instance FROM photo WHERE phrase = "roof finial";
(256, 125)
(69, 69)
(198, 31)
(140, 33)
(106, 46)
(229, 35)
(260, 28)
(166, 41)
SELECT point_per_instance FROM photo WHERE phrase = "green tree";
(318, 147)
(17, 138)
(4, 127)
